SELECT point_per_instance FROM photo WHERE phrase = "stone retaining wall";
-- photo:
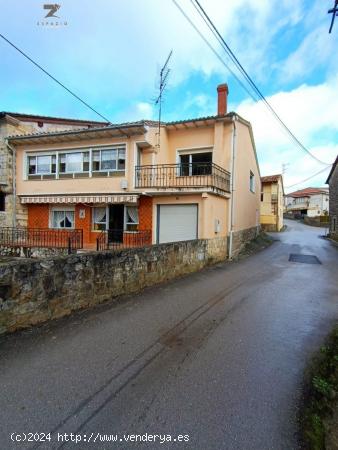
(240, 238)
(31, 252)
(34, 291)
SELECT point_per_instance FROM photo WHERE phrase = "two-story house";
(332, 181)
(195, 178)
(310, 202)
(11, 212)
(272, 198)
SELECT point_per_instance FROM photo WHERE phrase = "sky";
(109, 52)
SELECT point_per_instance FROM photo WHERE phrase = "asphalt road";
(216, 356)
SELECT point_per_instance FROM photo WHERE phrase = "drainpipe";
(13, 151)
(232, 185)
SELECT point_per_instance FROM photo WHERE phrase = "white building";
(311, 202)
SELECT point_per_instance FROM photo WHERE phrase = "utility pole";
(164, 73)
(334, 12)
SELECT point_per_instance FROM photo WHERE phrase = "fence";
(119, 239)
(182, 176)
(41, 237)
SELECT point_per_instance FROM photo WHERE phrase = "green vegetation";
(318, 416)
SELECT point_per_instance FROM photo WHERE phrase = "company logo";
(52, 10)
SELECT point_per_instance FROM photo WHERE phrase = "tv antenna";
(164, 74)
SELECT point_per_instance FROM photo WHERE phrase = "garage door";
(176, 223)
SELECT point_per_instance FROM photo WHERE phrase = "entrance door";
(116, 222)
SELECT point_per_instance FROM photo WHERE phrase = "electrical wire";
(232, 56)
(54, 79)
(307, 179)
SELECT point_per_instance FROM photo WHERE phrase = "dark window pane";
(184, 169)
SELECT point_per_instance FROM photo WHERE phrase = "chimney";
(222, 99)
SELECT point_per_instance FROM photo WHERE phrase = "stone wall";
(333, 204)
(34, 291)
(240, 238)
(31, 252)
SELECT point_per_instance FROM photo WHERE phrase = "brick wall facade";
(145, 213)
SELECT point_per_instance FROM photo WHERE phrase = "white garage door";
(176, 223)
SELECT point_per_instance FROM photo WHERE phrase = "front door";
(116, 222)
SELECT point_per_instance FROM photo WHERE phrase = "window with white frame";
(74, 162)
(63, 218)
(252, 181)
(109, 160)
(41, 165)
(100, 218)
(131, 218)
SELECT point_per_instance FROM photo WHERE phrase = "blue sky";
(110, 53)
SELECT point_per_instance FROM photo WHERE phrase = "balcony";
(182, 177)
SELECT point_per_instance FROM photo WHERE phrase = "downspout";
(13, 151)
(232, 186)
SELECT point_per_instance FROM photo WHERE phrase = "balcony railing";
(194, 175)
(41, 237)
(120, 239)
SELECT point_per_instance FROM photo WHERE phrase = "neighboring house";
(11, 213)
(272, 195)
(198, 179)
(310, 202)
(332, 181)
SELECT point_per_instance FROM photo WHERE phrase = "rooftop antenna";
(164, 73)
(285, 168)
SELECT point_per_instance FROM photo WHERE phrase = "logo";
(51, 20)
(53, 8)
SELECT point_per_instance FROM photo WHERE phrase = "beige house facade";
(11, 211)
(272, 198)
(188, 179)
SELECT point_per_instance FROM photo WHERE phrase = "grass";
(321, 396)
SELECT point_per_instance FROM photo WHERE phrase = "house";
(272, 195)
(332, 181)
(187, 179)
(310, 202)
(11, 213)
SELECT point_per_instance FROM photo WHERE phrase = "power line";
(213, 50)
(307, 179)
(234, 59)
(54, 79)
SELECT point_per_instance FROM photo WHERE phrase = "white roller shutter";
(176, 222)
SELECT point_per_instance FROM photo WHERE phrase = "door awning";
(74, 199)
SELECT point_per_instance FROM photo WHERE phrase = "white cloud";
(310, 112)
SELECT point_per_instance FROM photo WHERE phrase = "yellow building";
(197, 178)
(272, 195)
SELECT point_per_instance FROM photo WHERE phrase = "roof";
(334, 165)
(126, 129)
(271, 178)
(140, 123)
(307, 192)
(51, 119)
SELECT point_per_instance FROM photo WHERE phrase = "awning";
(74, 199)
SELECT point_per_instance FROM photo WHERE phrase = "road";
(216, 356)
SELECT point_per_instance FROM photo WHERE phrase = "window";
(334, 223)
(2, 202)
(109, 160)
(100, 218)
(196, 164)
(41, 165)
(74, 162)
(131, 220)
(63, 218)
(262, 197)
(252, 182)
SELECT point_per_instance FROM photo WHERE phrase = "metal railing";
(41, 237)
(208, 175)
(120, 239)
